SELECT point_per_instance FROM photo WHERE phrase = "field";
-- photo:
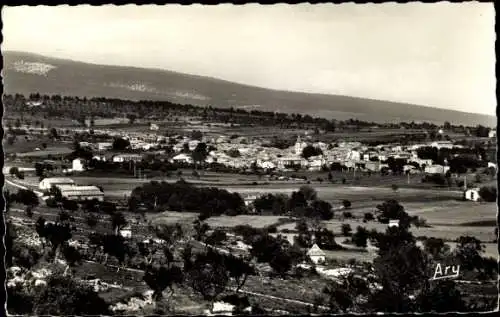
(253, 221)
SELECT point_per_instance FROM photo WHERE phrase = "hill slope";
(28, 73)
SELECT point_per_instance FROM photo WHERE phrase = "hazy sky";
(440, 55)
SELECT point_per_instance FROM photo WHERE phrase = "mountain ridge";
(52, 75)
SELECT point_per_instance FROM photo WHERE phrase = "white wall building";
(299, 146)
(47, 183)
(78, 165)
(316, 254)
(73, 192)
(472, 194)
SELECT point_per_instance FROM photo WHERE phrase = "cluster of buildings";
(242, 152)
(70, 190)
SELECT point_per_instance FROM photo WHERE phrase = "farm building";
(316, 254)
(492, 134)
(472, 194)
(73, 192)
(127, 157)
(47, 183)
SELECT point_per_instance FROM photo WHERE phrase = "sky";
(440, 55)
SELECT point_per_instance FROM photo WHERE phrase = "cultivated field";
(253, 221)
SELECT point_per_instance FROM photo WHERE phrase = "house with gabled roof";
(316, 254)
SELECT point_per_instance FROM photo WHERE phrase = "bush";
(346, 203)
(488, 193)
(360, 238)
(369, 216)
(347, 215)
(51, 202)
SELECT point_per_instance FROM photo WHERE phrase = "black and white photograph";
(286, 159)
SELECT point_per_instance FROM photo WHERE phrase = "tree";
(118, 221)
(468, 252)
(441, 297)
(346, 203)
(64, 296)
(346, 229)
(14, 171)
(308, 192)
(325, 239)
(310, 151)
(53, 133)
(360, 237)
(208, 275)
(281, 263)
(488, 193)
(216, 238)
(196, 135)
(368, 216)
(391, 209)
(200, 230)
(158, 279)
(92, 220)
(26, 197)
(131, 118)
(200, 153)
(120, 144)
(70, 205)
(239, 269)
(436, 248)
(401, 268)
(71, 255)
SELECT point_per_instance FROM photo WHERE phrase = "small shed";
(316, 254)
(472, 194)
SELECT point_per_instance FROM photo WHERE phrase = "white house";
(436, 169)
(103, 146)
(299, 146)
(126, 232)
(472, 194)
(47, 183)
(77, 165)
(394, 223)
(127, 157)
(492, 134)
(182, 158)
(154, 127)
(442, 144)
(316, 254)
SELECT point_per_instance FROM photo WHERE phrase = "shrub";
(346, 203)
(347, 214)
(360, 238)
(488, 193)
(369, 216)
